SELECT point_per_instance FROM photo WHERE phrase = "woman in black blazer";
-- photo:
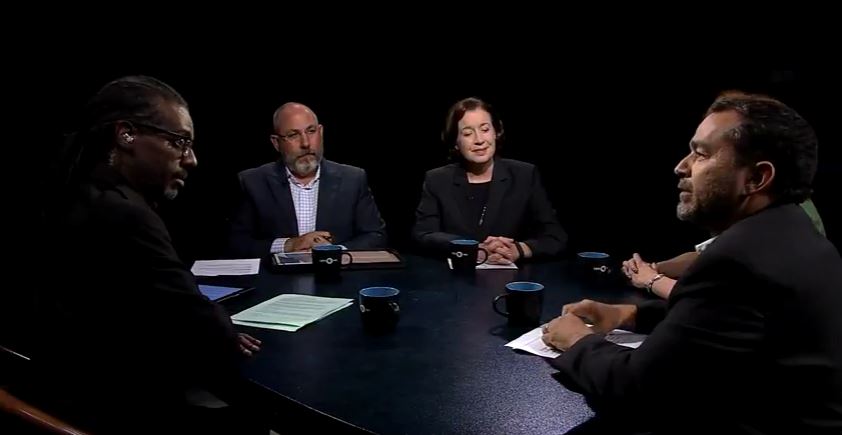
(499, 202)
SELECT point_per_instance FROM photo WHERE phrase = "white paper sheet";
(289, 312)
(247, 266)
(488, 266)
(531, 342)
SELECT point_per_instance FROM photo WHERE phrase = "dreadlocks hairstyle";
(130, 98)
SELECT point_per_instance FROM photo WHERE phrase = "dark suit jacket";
(346, 209)
(518, 207)
(750, 340)
(123, 328)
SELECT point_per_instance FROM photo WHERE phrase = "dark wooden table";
(445, 368)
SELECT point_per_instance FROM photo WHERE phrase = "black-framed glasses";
(181, 143)
(296, 135)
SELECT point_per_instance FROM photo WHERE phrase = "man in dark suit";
(750, 339)
(124, 331)
(303, 200)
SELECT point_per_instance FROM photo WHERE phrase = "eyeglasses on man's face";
(181, 143)
(296, 135)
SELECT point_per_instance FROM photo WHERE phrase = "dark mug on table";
(464, 255)
(595, 267)
(327, 260)
(379, 308)
(524, 303)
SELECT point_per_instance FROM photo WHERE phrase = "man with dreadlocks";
(125, 332)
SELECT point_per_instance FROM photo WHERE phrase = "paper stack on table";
(289, 312)
(490, 266)
(531, 342)
(486, 266)
(246, 266)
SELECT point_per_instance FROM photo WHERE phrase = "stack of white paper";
(289, 312)
(531, 342)
(248, 266)
(487, 266)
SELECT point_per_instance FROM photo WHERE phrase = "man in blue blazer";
(303, 200)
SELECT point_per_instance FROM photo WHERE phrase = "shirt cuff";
(278, 246)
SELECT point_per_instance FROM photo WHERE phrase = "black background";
(605, 134)
(606, 124)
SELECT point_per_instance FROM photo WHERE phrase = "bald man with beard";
(302, 199)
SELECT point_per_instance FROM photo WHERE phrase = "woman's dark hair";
(455, 114)
(772, 131)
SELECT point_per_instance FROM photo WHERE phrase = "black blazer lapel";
(496, 193)
(460, 200)
(330, 179)
(286, 221)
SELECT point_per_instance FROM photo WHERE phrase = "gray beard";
(683, 212)
(304, 167)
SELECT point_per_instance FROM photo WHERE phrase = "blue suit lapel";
(285, 220)
(330, 179)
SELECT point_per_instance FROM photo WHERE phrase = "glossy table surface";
(444, 369)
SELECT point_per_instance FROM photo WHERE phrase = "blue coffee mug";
(464, 255)
(524, 302)
(379, 308)
(327, 260)
(599, 262)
